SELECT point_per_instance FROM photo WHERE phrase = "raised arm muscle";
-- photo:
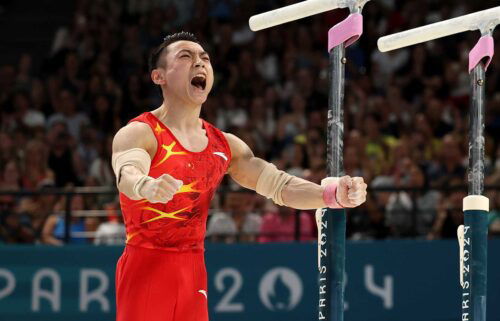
(245, 168)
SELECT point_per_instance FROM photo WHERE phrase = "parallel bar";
(335, 137)
(294, 12)
(474, 289)
(475, 175)
(473, 265)
(484, 20)
(333, 263)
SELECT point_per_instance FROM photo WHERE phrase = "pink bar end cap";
(485, 48)
(347, 31)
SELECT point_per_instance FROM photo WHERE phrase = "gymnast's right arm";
(133, 148)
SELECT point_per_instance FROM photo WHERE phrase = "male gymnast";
(168, 164)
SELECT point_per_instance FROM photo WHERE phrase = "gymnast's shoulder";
(134, 135)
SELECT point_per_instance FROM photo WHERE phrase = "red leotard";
(161, 275)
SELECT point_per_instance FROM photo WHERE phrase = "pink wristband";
(329, 196)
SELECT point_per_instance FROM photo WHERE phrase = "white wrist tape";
(138, 158)
(136, 189)
(271, 183)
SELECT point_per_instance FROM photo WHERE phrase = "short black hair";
(168, 40)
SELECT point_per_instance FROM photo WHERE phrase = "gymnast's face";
(185, 72)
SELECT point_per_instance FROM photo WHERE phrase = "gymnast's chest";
(203, 170)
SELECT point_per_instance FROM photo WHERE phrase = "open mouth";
(199, 82)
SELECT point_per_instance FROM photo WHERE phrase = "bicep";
(126, 159)
(245, 168)
(246, 172)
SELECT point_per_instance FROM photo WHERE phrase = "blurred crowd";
(406, 117)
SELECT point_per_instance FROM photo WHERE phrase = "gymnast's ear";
(158, 76)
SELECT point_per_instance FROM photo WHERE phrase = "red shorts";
(156, 285)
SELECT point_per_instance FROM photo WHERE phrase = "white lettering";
(321, 316)
(10, 283)
(465, 304)
(96, 295)
(322, 289)
(54, 296)
(323, 239)
(226, 304)
(465, 317)
(322, 303)
(385, 292)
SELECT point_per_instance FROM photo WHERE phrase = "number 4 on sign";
(385, 292)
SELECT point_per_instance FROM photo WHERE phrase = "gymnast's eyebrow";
(202, 53)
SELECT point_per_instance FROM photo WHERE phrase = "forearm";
(286, 190)
(50, 240)
(303, 195)
(129, 177)
(137, 185)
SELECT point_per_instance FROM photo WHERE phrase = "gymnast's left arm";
(288, 190)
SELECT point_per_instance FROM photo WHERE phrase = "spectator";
(62, 161)
(450, 167)
(59, 112)
(279, 224)
(449, 215)
(36, 169)
(26, 115)
(426, 201)
(68, 113)
(238, 222)
(8, 150)
(10, 181)
(100, 172)
(112, 231)
(53, 230)
(14, 228)
(43, 206)
(368, 223)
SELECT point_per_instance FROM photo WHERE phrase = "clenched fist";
(161, 189)
(344, 192)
